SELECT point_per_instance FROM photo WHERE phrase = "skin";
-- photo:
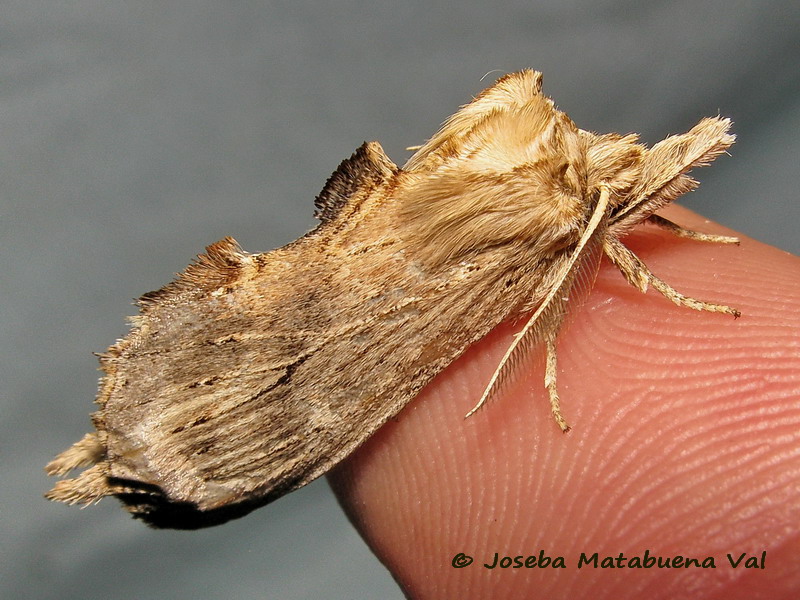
(686, 429)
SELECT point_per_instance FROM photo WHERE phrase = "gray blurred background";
(136, 133)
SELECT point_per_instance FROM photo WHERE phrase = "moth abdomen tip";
(88, 451)
(87, 488)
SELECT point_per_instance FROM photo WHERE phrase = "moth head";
(614, 161)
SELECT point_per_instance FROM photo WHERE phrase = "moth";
(251, 375)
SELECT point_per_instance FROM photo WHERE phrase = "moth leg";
(545, 321)
(690, 234)
(638, 275)
(550, 375)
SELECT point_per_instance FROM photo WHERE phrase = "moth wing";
(201, 413)
(252, 375)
